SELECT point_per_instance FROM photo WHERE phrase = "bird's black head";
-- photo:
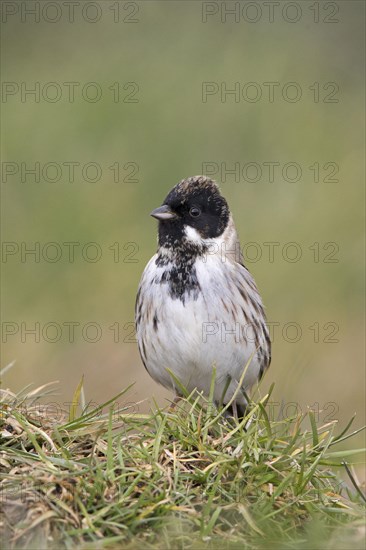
(193, 210)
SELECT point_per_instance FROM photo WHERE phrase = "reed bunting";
(197, 305)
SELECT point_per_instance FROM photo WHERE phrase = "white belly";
(192, 338)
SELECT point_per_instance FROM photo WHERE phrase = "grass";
(183, 478)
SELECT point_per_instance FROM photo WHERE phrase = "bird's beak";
(163, 213)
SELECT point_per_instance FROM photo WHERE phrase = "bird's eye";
(195, 212)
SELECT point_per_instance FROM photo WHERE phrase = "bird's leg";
(235, 411)
(173, 404)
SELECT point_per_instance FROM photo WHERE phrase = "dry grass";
(187, 478)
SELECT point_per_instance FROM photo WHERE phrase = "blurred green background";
(161, 129)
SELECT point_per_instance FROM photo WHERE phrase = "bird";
(197, 305)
